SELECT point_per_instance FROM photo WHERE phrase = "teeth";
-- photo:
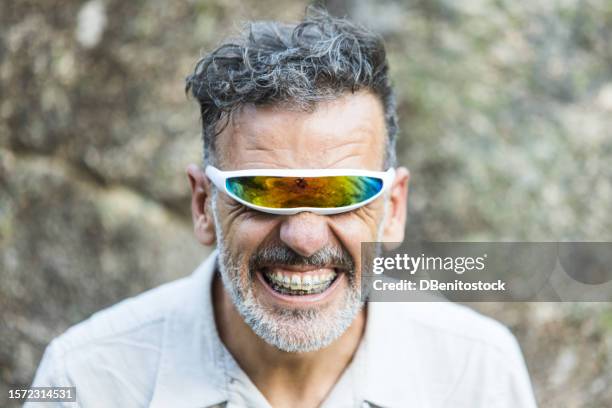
(296, 285)
(296, 282)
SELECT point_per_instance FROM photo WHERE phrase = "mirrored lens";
(295, 192)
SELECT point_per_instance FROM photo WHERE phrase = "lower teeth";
(286, 291)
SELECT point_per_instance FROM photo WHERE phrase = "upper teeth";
(295, 281)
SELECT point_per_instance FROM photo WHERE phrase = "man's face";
(265, 259)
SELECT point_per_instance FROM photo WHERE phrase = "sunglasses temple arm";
(389, 177)
(216, 177)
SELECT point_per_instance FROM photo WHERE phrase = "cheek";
(356, 227)
(246, 231)
(360, 225)
(353, 231)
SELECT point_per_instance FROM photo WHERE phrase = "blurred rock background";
(506, 114)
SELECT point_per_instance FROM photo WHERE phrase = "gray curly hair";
(317, 59)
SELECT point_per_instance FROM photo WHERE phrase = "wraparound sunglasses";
(290, 191)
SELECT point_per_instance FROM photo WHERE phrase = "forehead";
(346, 132)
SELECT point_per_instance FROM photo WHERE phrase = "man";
(299, 128)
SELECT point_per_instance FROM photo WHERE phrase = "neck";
(282, 377)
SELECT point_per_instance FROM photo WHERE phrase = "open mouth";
(299, 283)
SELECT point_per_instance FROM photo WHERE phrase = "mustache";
(283, 255)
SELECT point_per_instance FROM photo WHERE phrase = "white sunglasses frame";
(219, 178)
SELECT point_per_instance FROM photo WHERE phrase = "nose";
(305, 232)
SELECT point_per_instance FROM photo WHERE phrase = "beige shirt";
(162, 349)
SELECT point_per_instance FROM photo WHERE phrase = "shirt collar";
(391, 366)
(191, 372)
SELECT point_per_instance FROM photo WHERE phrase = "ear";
(201, 205)
(395, 223)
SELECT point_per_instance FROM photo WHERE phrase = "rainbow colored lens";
(296, 192)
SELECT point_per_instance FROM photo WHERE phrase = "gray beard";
(289, 330)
